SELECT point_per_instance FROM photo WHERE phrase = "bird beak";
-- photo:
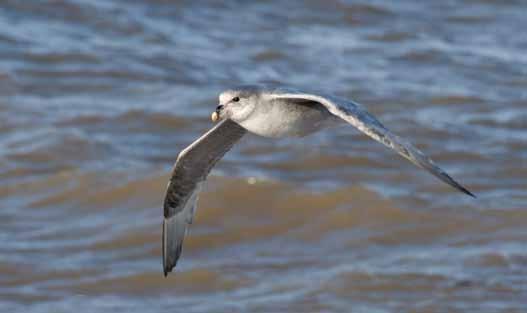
(216, 114)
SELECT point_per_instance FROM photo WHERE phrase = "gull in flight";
(267, 111)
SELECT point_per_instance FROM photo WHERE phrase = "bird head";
(235, 104)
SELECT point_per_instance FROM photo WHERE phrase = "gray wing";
(357, 116)
(190, 171)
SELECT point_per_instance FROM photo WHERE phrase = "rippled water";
(98, 97)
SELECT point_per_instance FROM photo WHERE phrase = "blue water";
(98, 97)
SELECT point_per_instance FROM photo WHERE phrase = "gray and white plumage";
(267, 111)
(191, 169)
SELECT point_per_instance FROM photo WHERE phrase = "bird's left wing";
(190, 170)
(357, 116)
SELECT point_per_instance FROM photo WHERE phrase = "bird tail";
(174, 228)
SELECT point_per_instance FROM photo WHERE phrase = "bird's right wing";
(190, 170)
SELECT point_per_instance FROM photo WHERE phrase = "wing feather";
(357, 116)
(190, 171)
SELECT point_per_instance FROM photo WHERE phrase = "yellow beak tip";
(214, 117)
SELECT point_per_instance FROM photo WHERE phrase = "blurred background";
(98, 97)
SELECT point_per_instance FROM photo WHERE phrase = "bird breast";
(287, 119)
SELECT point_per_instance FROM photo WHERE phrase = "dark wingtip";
(166, 271)
(430, 166)
(466, 191)
(171, 250)
(167, 268)
(457, 185)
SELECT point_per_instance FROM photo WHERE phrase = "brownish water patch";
(82, 120)
(139, 193)
(13, 275)
(356, 14)
(132, 120)
(455, 100)
(56, 181)
(134, 239)
(25, 298)
(268, 55)
(236, 211)
(66, 187)
(364, 283)
(92, 191)
(159, 121)
(148, 283)
(488, 260)
(323, 162)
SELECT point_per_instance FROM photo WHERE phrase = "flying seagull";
(267, 111)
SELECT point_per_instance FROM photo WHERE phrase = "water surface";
(98, 97)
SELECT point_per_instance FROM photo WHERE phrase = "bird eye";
(236, 99)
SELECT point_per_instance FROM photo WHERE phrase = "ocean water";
(98, 97)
